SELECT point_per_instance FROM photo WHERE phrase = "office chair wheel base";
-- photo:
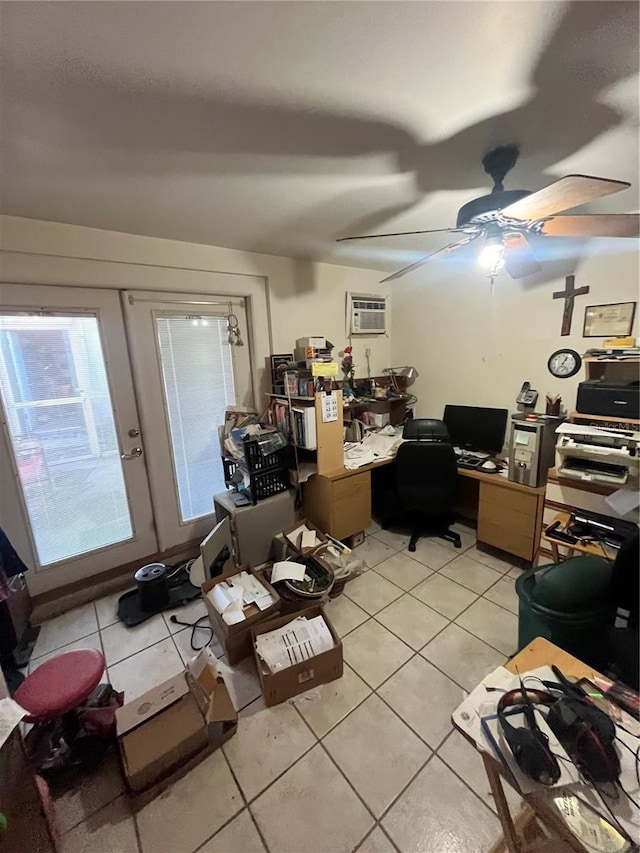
(453, 537)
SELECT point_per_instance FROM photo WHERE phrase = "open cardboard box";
(295, 541)
(172, 727)
(236, 639)
(290, 602)
(279, 686)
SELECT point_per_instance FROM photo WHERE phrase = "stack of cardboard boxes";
(169, 729)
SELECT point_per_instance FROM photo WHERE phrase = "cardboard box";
(173, 726)
(296, 543)
(279, 686)
(236, 639)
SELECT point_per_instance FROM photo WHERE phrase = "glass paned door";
(198, 384)
(60, 419)
(75, 494)
(186, 373)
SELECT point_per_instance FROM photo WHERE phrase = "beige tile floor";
(369, 762)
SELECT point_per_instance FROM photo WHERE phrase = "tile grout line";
(453, 733)
(374, 691)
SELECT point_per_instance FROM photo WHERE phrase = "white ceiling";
(278, 126)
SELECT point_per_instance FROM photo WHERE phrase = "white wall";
(292, 298)
(472, 347)
(287, 298)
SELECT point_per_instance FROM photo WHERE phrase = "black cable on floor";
(194, 627)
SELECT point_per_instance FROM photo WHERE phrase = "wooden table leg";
(555, 552)
(510, 834)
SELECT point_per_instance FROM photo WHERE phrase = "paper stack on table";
(294, 642)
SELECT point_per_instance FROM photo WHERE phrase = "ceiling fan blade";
(445, 251)
(519, 258)
(593, 225)
(467, 230)
(563, 194)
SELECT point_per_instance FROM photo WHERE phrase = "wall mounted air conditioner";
(367, 314)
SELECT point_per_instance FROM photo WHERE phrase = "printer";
(598, 455)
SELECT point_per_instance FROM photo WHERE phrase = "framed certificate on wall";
(602, 321)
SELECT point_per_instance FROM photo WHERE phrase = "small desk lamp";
(409, 374)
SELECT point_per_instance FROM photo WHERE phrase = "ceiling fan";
(506, 217)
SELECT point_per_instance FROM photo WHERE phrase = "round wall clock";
(564, 363)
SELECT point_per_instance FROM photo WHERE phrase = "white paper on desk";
(10, 715)
(287, 570)
(381, 445)
(294, 642)
(623, 501)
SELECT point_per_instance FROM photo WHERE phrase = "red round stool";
(60, 685)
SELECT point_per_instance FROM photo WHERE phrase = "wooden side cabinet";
(339, 504)
(510, 518)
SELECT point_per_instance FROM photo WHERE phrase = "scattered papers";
(10, 715)
(287, 570)
(231, 597)
(294, 643)
(374, 447)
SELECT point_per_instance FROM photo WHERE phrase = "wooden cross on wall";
(569, 294)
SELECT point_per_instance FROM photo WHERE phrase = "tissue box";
(236, 639)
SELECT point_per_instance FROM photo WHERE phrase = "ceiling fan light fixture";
(491, 258)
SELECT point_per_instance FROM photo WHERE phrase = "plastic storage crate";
(256, 461)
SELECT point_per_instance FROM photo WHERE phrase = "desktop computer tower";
(532, 445)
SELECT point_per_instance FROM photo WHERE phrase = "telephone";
(527, 397)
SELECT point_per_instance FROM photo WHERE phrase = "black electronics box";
(607, 398)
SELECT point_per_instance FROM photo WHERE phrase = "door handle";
(135, 452)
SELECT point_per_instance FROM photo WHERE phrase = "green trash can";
(570, 604)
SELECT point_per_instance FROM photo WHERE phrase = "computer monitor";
(476, 427)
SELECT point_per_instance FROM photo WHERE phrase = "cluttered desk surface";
(477, 721)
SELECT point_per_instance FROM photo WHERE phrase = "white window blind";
(198, 383)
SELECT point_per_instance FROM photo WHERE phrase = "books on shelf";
(305, 424)
(299, 425)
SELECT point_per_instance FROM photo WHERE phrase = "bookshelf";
(301, 420)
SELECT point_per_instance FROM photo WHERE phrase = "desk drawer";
(508, 518)
(507, 540)
(503, 496)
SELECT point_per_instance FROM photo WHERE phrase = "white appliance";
(368, 315)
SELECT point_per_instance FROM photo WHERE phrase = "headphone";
(529, 744)
(586, 733)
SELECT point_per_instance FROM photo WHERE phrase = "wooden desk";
(509, 515)
(539, 652)
(594, 549)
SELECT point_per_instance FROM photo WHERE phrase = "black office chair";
(426, 480)
(425, 429)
